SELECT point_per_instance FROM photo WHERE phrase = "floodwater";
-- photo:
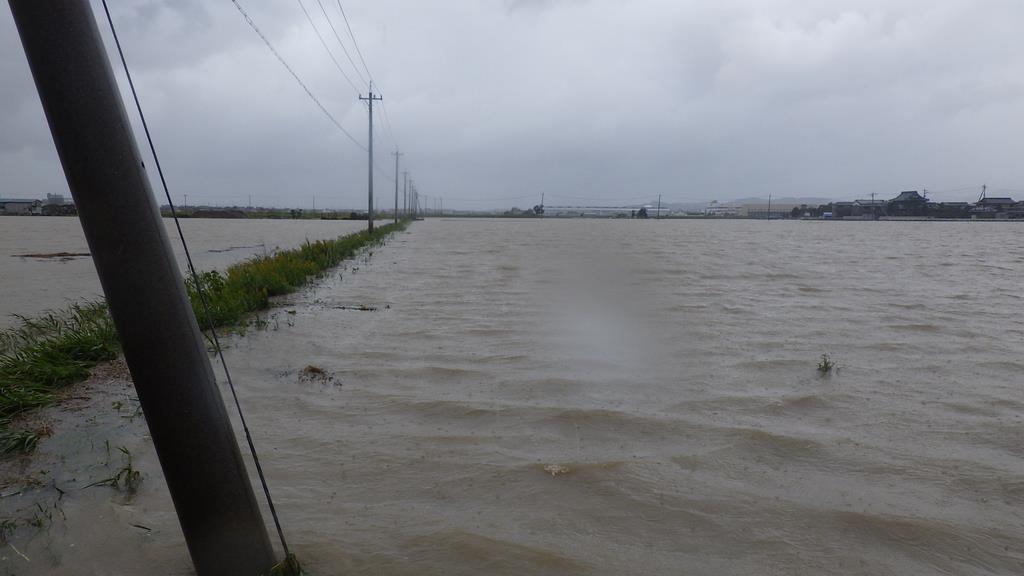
(609, 397)
(32, 279)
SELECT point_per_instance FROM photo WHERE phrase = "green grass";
(45, 353)
(248, 286)
(825, 365)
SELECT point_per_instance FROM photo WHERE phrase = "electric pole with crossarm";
(369, 210)
(405, 193)
(396, 154)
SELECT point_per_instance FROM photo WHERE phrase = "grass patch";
(18, 442)
(58, 348)
(46, 353)
(247, 287)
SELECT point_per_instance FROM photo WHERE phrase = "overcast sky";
(599, 101)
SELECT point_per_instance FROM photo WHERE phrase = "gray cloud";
(601, 99)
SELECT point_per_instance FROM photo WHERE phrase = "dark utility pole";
(414, 199)
(396, 154)
(370, 100)
(405, 193)
(659, 206)
(162, 344)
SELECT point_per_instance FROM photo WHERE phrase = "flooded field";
(516, 397)
(45, 263)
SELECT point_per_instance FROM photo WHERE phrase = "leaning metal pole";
(162, 344)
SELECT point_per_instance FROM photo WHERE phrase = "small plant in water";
(127, 478)
(41, 518)
(825, 365)
(7, 527)
(287, 567)
(18, 442)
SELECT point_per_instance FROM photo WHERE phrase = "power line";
(387, 119)
(387, 124)
(324, 44)
(354, 43)
(342, 44)
(280, 59)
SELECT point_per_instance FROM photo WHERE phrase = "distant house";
(990, 207)
(908, 203)
(20, 206)
(868, 209)
(842, 209)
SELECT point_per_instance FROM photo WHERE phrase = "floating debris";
(556, 469)
(359, 308)
(313, 373)
(54, 255)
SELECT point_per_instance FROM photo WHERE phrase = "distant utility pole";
(405, 193)
(769, 206)
(396, 154)
(314, 202)
(659, 206)
(370, 99)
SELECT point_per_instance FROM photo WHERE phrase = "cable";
(294, 75)
(199, 287)
(324, 44)
(354, 43)
(387, 120)
(342, 44)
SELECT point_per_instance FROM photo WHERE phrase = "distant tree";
(538, 209)
(795, 212)
(641, 213)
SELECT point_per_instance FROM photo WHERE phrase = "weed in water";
(7, 527)
(127, 478)
(18, 441)
(825, 365)
(287, 567)
(41, 518)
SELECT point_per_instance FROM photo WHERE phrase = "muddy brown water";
(604, 397)
(45, 263)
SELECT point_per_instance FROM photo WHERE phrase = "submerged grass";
(248, 286)
(46, 353)
(58, 348)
